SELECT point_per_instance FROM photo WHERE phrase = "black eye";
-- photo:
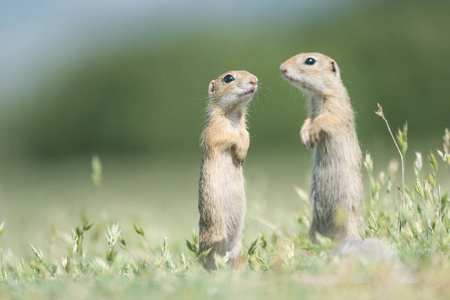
(310, 61)
(228, 78)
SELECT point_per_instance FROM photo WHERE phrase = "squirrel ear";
(335, 69)
(212, 87)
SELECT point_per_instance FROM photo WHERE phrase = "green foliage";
(420, 226)
(402, 138)
(133, 98)
(96, 171)
(203, 255)
(433, 163)
(2, 227)
(280, 262)
(138, 229)
(445, 153)
(112, 236)
(193, 246)
(253, 247)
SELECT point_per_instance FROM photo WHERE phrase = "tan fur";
(336, 186)
(225, 141)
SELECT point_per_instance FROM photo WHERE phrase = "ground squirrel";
(336, 186)
(225, 141)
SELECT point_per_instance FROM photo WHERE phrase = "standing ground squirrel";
(225, 141)
(336, 186)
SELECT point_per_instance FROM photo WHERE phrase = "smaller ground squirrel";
(225, 141)
(336, 186)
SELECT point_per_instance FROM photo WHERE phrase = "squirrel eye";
(310, 61)
(228, 78)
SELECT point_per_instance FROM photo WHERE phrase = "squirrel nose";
(254, 80)
(283, 69)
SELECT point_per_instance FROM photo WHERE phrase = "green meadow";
(115, 229)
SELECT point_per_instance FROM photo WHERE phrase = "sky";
(36, 36)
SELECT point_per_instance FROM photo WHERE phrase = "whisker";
(199, 98)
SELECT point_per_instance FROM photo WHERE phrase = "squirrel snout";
(283, 68)
(253, 80)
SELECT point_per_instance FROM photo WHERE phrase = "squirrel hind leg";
(234, 254)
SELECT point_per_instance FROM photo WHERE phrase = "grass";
(127, 257)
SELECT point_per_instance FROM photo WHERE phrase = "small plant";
(445, 152)
(112, 236)
(96, 175)
(193, 246)
(78, 235)
(201, 257)
(402, 140)
(40, 266)
(2, 227)
(141, 232)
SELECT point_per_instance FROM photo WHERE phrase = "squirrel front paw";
(314, 135)
(238, 162)
(304, 133)
(304, 136)
(240, 154)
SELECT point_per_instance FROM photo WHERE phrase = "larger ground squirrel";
(336, 186)
(225, 141)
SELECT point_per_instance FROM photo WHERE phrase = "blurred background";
(127, 80)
